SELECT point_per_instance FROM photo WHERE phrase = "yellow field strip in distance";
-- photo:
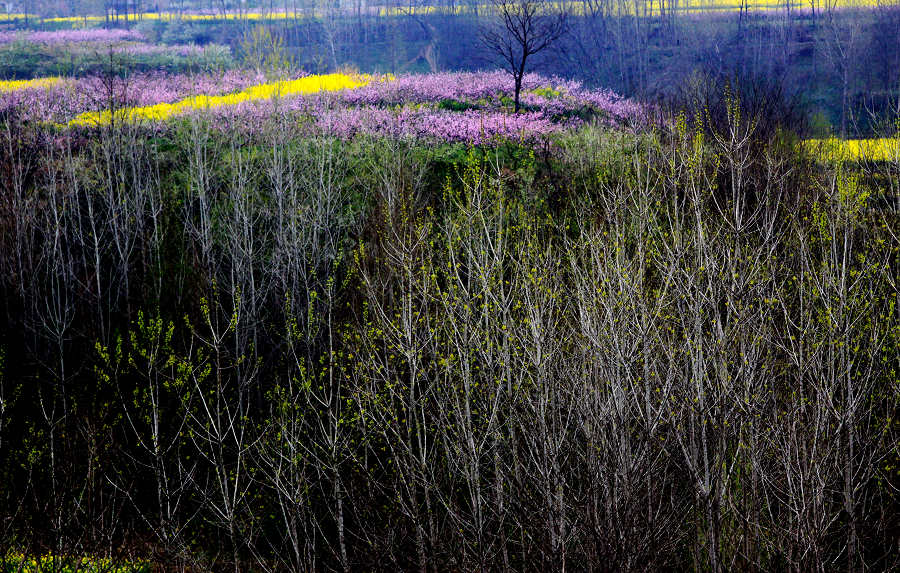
(163, 111)
(883, 149)
(628, 7)
(15, 85)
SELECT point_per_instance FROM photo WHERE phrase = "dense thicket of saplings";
(261, 350)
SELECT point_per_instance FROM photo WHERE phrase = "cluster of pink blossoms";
(422, 106)
(473, 108)
(54, 37)
(64, 100)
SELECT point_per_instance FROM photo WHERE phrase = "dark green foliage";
(454, 105)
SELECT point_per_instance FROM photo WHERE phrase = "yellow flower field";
(163, 111)
(14, 85)
(632, 7)
(14, 16)
(884, 149)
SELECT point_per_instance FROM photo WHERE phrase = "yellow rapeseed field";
(884, 149)
(632, 7)
(14, 85)
(163, 111)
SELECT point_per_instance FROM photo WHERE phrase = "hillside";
(260, 316)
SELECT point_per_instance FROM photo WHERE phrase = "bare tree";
(526, 28)
(840, 42)
(687, 362)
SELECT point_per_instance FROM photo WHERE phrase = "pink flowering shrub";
(94, 35)
(554, 97)
(413, 106)
(433, 88)
(470, 126)
(67, 99)
(409, 106)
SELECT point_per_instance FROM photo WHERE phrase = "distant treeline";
(242, 348)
